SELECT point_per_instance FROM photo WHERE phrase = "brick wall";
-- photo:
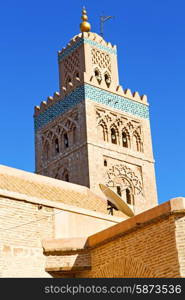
(180, 239)
(151, 244)
(147, 252)
(26, 221)
(21, 253)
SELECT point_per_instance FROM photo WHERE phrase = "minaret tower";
(92, 131)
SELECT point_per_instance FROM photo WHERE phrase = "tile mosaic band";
(95, 94)
(85, 41)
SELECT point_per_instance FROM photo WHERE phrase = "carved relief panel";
(125, 180)
(118, 129)
(60, 137)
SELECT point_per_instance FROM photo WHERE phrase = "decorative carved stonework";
(68, 125)
(101, 59)
(122, 125)
(123, 176)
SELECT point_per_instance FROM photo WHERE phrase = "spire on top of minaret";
(84, 26)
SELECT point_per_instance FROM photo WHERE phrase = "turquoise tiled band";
(116, 101)
(60, 107)
(95, 94)
(85, 41)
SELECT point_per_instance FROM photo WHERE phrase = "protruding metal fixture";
(111, 207)
(103, 19)
(116, 202)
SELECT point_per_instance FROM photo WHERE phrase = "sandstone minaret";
(93, 131)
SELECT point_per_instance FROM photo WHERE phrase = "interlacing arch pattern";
(101, 59)
(72, 62)
(60, 137)
(71, 67)
(101, 62)
(103, 131)
(125, 178)
(137, 143)
(119, 131)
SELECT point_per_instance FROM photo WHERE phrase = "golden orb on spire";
(85, 26)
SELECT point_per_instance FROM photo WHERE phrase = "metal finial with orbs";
(84, 26)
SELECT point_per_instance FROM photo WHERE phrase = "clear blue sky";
(150, 36)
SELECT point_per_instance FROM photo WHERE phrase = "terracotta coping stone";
(64, 245)
(67, 269)
(175, 205)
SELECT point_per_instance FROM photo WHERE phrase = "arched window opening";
(97, 75)
(119, 190)
(128, 196)
(69, 80)
(107, 79)
(124, 140)
(113, 136)
(77, 76)
(66, 141)
(96, 72)
(56, 146)
(105, 163)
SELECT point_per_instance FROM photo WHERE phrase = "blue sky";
(150, 36)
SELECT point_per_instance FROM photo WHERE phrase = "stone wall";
(140, 164)
(22, 227)
(26, 221)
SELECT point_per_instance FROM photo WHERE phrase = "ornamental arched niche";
(61, 172)
(125, 267)
(71, 126)
(102, 131)
(123, 180)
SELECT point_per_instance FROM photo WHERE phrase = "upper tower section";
(88, 69)
(88, 58)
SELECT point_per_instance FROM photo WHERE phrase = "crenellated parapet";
(122, 100)
(127, 93)
(92, 81)
(90, 38)
(45, 104)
